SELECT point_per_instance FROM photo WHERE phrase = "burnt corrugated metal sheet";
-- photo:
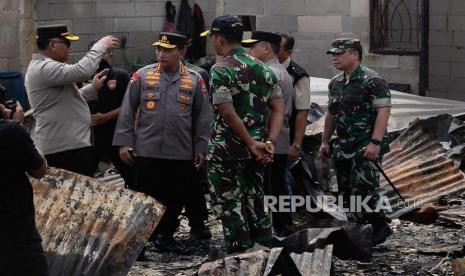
(452, 215)
(418, 167)
(316, 263)
(274, 262)
(253, 263)
(89, 227)
(113, 179)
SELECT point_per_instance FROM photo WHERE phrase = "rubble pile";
(428, 236)
(96, 228)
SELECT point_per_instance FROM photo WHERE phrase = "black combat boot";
(201, 233)
(381, 228)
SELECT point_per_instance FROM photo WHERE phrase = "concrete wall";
(314, 23)
(138, 20)
(447, 49)
(17, 34)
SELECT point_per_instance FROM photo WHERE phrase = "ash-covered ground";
(404, 253)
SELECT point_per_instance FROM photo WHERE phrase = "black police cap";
(55, 31)
(258, 36)
(171, 40)
(225, 24)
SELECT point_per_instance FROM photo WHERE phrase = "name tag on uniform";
(150, 87)
(186, 91)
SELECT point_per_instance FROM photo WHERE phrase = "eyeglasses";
(66, 42)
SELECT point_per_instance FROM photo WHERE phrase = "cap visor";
(207, 32)
(334, 51)
(164, 45)
(249, 42)
(72, 37)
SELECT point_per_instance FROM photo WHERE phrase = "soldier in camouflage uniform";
(243, 92)
(358, 108)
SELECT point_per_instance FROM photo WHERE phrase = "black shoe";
(164, 244)
(215, 254)
(201, 233)
(380, 233)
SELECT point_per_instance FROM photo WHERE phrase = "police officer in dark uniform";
(165, 123)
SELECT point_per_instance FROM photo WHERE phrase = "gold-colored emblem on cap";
(164, 39)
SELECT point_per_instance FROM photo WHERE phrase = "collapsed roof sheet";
(276, 261)
(418, 167)
(405, 107)
(89, 227)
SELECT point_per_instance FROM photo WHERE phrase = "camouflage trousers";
(237, 197)
(358, 176)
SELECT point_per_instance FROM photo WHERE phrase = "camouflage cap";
(342, 45)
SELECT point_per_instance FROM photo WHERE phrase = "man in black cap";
(244, 92)
(62, 130)
(265, 47)
(169, 138)
(301, 83)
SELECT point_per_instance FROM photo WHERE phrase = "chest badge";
(111, 84)
(150, 82)
(186, 86)
(151, 104)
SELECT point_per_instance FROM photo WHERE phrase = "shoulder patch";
(369, 74)
(135, 77)
(203, 87)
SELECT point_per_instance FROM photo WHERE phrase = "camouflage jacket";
(353, 106)
(248, 84)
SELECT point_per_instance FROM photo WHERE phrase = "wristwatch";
(375, 141)
(297, 146)
(269, 141)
